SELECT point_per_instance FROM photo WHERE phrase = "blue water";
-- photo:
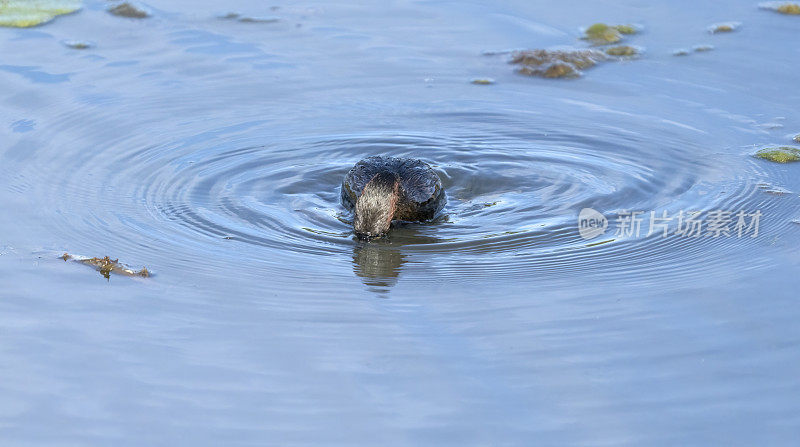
(211, 151)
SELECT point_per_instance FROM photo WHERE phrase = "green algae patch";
(626, 29)
(782, 154)
(622, 50)
(482, 81)
(788, 8)
(601, 33)
(25, 14)
(727, 27)
(106, 266)
(556, 63)
(129, 10)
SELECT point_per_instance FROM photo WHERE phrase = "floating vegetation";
(702, 48)
(782, 7)
(681, 52)
(797, 138)
(626, 29)
(126, 9)
(726, 27)
(622, 50)
(483, 81)
(603, 34)
(556, 63)
(27, 13)
(106, 266)
(78, 44)
(781, 154)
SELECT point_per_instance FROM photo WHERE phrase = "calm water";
(212, 150)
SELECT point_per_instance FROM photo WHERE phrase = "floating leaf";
(27, 13)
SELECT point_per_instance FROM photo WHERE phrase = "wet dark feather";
(421, 192)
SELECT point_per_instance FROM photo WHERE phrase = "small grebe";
(383, 189)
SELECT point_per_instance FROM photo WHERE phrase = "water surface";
(212, 150)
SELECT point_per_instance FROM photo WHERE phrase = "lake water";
(211, 150)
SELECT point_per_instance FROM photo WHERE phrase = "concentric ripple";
(513, 199)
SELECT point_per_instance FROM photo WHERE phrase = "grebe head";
(376, 206)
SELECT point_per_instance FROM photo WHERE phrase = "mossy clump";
(601, 33)
(482, 81)
(106, 266)
(782, 154)
(789, 8)
(622, 50)
(557, 63)
(723, 27)
(129, 10)
(27, 13)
